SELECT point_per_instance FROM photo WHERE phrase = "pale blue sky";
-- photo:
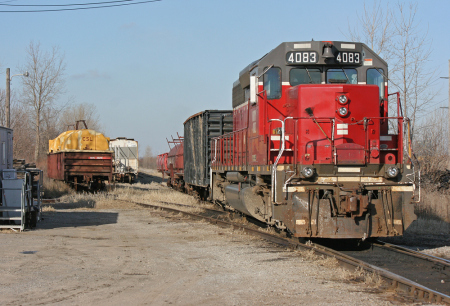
(148, 67)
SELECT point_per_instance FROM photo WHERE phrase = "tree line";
(399, 37)
(395, 33)
(37, 112)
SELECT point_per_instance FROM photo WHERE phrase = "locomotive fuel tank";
(243, 198)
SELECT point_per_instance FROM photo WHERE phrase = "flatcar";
(81, 158)
(125, 159)
(313, 149)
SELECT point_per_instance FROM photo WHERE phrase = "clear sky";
(148, 67)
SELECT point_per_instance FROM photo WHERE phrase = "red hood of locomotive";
(352, 140)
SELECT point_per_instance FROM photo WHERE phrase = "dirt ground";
(107, 252)
(95, 256)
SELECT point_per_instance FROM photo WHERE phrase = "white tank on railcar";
(126, 159)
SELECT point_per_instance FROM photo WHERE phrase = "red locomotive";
(311, 149)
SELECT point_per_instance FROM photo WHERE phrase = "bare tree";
(148, 160)
(430, 144)
(83, 111)
(44, 85)
(410, 74)
(375, 28)
(23, 143)
(397, 36)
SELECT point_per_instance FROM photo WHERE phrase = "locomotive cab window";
(342, 76)
(272, 83)
(375, 77)
(305, 76)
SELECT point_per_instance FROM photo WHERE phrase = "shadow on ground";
(146, 178)
(72, 205)
(60, 219)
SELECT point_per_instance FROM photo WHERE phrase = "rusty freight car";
(80, 158)
(199, 130)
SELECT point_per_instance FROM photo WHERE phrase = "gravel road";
(90, 256)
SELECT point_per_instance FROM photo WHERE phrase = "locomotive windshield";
(272, 83)
(344, 76)
(375, 77)
(304, 76)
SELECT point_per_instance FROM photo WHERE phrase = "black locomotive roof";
(278, 57)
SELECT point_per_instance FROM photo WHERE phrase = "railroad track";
(414, 276)
(429, 271)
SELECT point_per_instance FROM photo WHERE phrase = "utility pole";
(8, 98)
(8, 95)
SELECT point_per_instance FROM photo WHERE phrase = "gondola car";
(81, 158)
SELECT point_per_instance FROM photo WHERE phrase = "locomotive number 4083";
(348, 57)
(301, 57)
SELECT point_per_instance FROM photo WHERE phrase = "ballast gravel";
(144, 257)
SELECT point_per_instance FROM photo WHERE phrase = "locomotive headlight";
(392, 172)
(308, 172)
(343, 111)
(343, 99)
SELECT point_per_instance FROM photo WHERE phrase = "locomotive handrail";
(274, 166)
(228, 134)
(218, 138)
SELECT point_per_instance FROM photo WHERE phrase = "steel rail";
(407, 251)
(401, 285)
(407, 287)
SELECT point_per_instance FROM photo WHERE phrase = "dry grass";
(360, 275)
(48, 208)
(434, 205)
(122, 196)
(370, 279)
(309, 255)
(55, 189)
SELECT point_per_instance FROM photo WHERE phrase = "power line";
(74, 4)
(82, 8)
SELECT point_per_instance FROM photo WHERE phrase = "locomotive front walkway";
(140, 257)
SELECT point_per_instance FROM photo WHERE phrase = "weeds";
(434, 205)
(370, 279)
(55, 189)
